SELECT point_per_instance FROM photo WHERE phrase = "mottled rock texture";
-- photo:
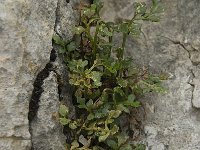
(45, 127)
(171, 46)
(26, 29)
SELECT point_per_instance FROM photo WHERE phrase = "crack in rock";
(38, 90)
(194, 64)
(193, 87)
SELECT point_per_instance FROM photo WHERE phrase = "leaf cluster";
(106, 84)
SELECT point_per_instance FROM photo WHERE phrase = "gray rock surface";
(45, 127)
(26, 29)
(66, 18)
(171, 46)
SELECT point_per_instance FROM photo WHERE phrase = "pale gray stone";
(26, 29)
(14, 144)
(46, 129)
(66, 19)
(170, 46)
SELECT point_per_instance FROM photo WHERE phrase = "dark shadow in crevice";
(37, 91)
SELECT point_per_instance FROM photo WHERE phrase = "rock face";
(171, 46)
(45, 125)
(26, 29)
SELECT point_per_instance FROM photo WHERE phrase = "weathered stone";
(66, 19)
(196, 84)
(170, 46)
(14, 144)
(26, 29)
(46, 129)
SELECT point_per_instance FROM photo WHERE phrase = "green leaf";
(122, 82)
(58, 40)
(112, 144)
(114, 113)
(131, 101)
(90, 103)
(155, 2)
(104, 30)
(153, 18)
(71, 46)
(64, 121)
(122, 138)
(131, 97)
(90, 11)
(119, 91)
(77, 65)
(111, 65)
(74, 144)
(103, 137)
(79, 30)
(73, 125)
(62, 50)
(135, 29)
(123, 27)
(140, 8)
(140, 147)
(104, 96)
(99, 5)
(83, 63)
(90, 116)
(109, 121)
(114, 130)
(126, 147)
(96, 77)
(97, 148)
(133, 104)
(80, 100)
(63, 110)
(121, 107)
(157, 9)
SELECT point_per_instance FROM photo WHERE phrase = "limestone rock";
(195, 83)
(66, 19)
(26, 29)
(46, 129)
(14, 144)
(170, 46)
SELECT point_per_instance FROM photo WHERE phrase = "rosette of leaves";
(106, 84)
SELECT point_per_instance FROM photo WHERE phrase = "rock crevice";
(51, 88)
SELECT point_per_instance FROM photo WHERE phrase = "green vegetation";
(105, 83)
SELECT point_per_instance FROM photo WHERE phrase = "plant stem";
(121, 57)
(110, 39)
(95, 41)
(124, 42)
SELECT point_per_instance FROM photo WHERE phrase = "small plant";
(106, 84)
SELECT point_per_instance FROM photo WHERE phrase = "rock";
(66, 19)
(26, 29)
(46, 129)
(195, 83)
(14, 144)
(170, 46)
